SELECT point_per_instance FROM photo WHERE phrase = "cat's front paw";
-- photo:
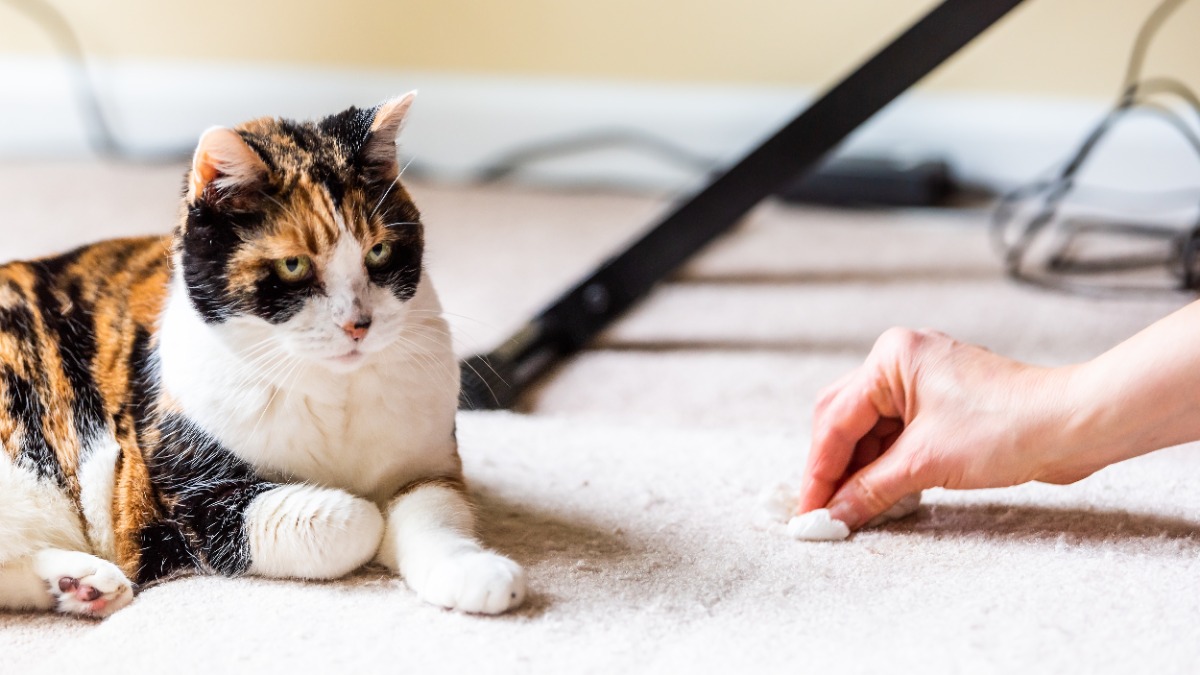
(479, 582)
(310, 532)
(83, 584)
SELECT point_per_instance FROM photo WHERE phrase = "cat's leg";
(285, 531)
(308, 532)
(42, 565)
(429, 540)
(71, 582)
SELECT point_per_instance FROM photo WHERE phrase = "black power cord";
(512, 161)
(1026, 219)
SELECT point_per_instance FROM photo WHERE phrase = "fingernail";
(845, 513)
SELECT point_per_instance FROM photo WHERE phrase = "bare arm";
(927, 411)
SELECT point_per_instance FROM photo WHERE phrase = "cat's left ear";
(225, 164)
(379, 150)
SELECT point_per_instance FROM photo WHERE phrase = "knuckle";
(899, 341)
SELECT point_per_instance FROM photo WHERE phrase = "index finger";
(846, 419)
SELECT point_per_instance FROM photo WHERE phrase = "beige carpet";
(628, 483)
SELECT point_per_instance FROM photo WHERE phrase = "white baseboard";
(462, 122)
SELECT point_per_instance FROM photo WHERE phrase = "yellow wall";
(1070, 47)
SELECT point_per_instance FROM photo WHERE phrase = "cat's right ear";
(378, 152)
(224, 165)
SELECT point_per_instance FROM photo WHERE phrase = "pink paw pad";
(89, 595)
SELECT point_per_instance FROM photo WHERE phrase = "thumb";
(878, 486)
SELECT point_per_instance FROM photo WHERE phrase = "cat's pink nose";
(357, 330)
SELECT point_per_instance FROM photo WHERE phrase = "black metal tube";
(495, 380)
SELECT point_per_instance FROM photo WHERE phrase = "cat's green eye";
(379, 254)
(294, 269)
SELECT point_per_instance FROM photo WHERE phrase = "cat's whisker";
(442, 312)
(484, 379)
(405, 167)
(263, 373)
(270, 401)
(472, 339)
(275, 201)
(258, 351)
(466, 362)
(422, 329)
(423, 355)
(258, 367)
(422, 362)
(385, 195)
(461, 337)
(413, 350)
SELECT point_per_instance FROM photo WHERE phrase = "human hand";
(925, 411)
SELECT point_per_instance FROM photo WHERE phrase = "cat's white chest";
(369, 433)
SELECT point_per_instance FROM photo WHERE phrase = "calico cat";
(269, 391)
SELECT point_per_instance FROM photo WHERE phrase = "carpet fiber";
(628, 481)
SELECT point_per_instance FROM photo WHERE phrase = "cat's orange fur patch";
(124, 281)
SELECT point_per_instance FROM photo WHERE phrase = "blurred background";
(656, 92)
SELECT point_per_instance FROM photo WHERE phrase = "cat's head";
(299, 234)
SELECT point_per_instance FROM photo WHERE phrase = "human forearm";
(1142, 395)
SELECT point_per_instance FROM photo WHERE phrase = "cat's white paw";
(309, 532)
(479, 582)
(83, 584)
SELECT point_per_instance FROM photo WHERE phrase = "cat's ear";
(379, 150)
(224, 163)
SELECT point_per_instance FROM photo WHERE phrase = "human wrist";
(1069, 432)
(1090, 429)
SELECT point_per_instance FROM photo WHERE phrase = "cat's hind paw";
(83, 584)
(478, 582)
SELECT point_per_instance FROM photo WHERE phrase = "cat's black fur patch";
(18, 321)
(206, 491)
(25, 406)
(165, 551)
(73, 330)
(402, 273)
(277, 300)
(350, 128)
(210, 239)
(143, 375)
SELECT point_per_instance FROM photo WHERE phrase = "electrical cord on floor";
(516, 159)
(1031, 215)
(99, 131)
